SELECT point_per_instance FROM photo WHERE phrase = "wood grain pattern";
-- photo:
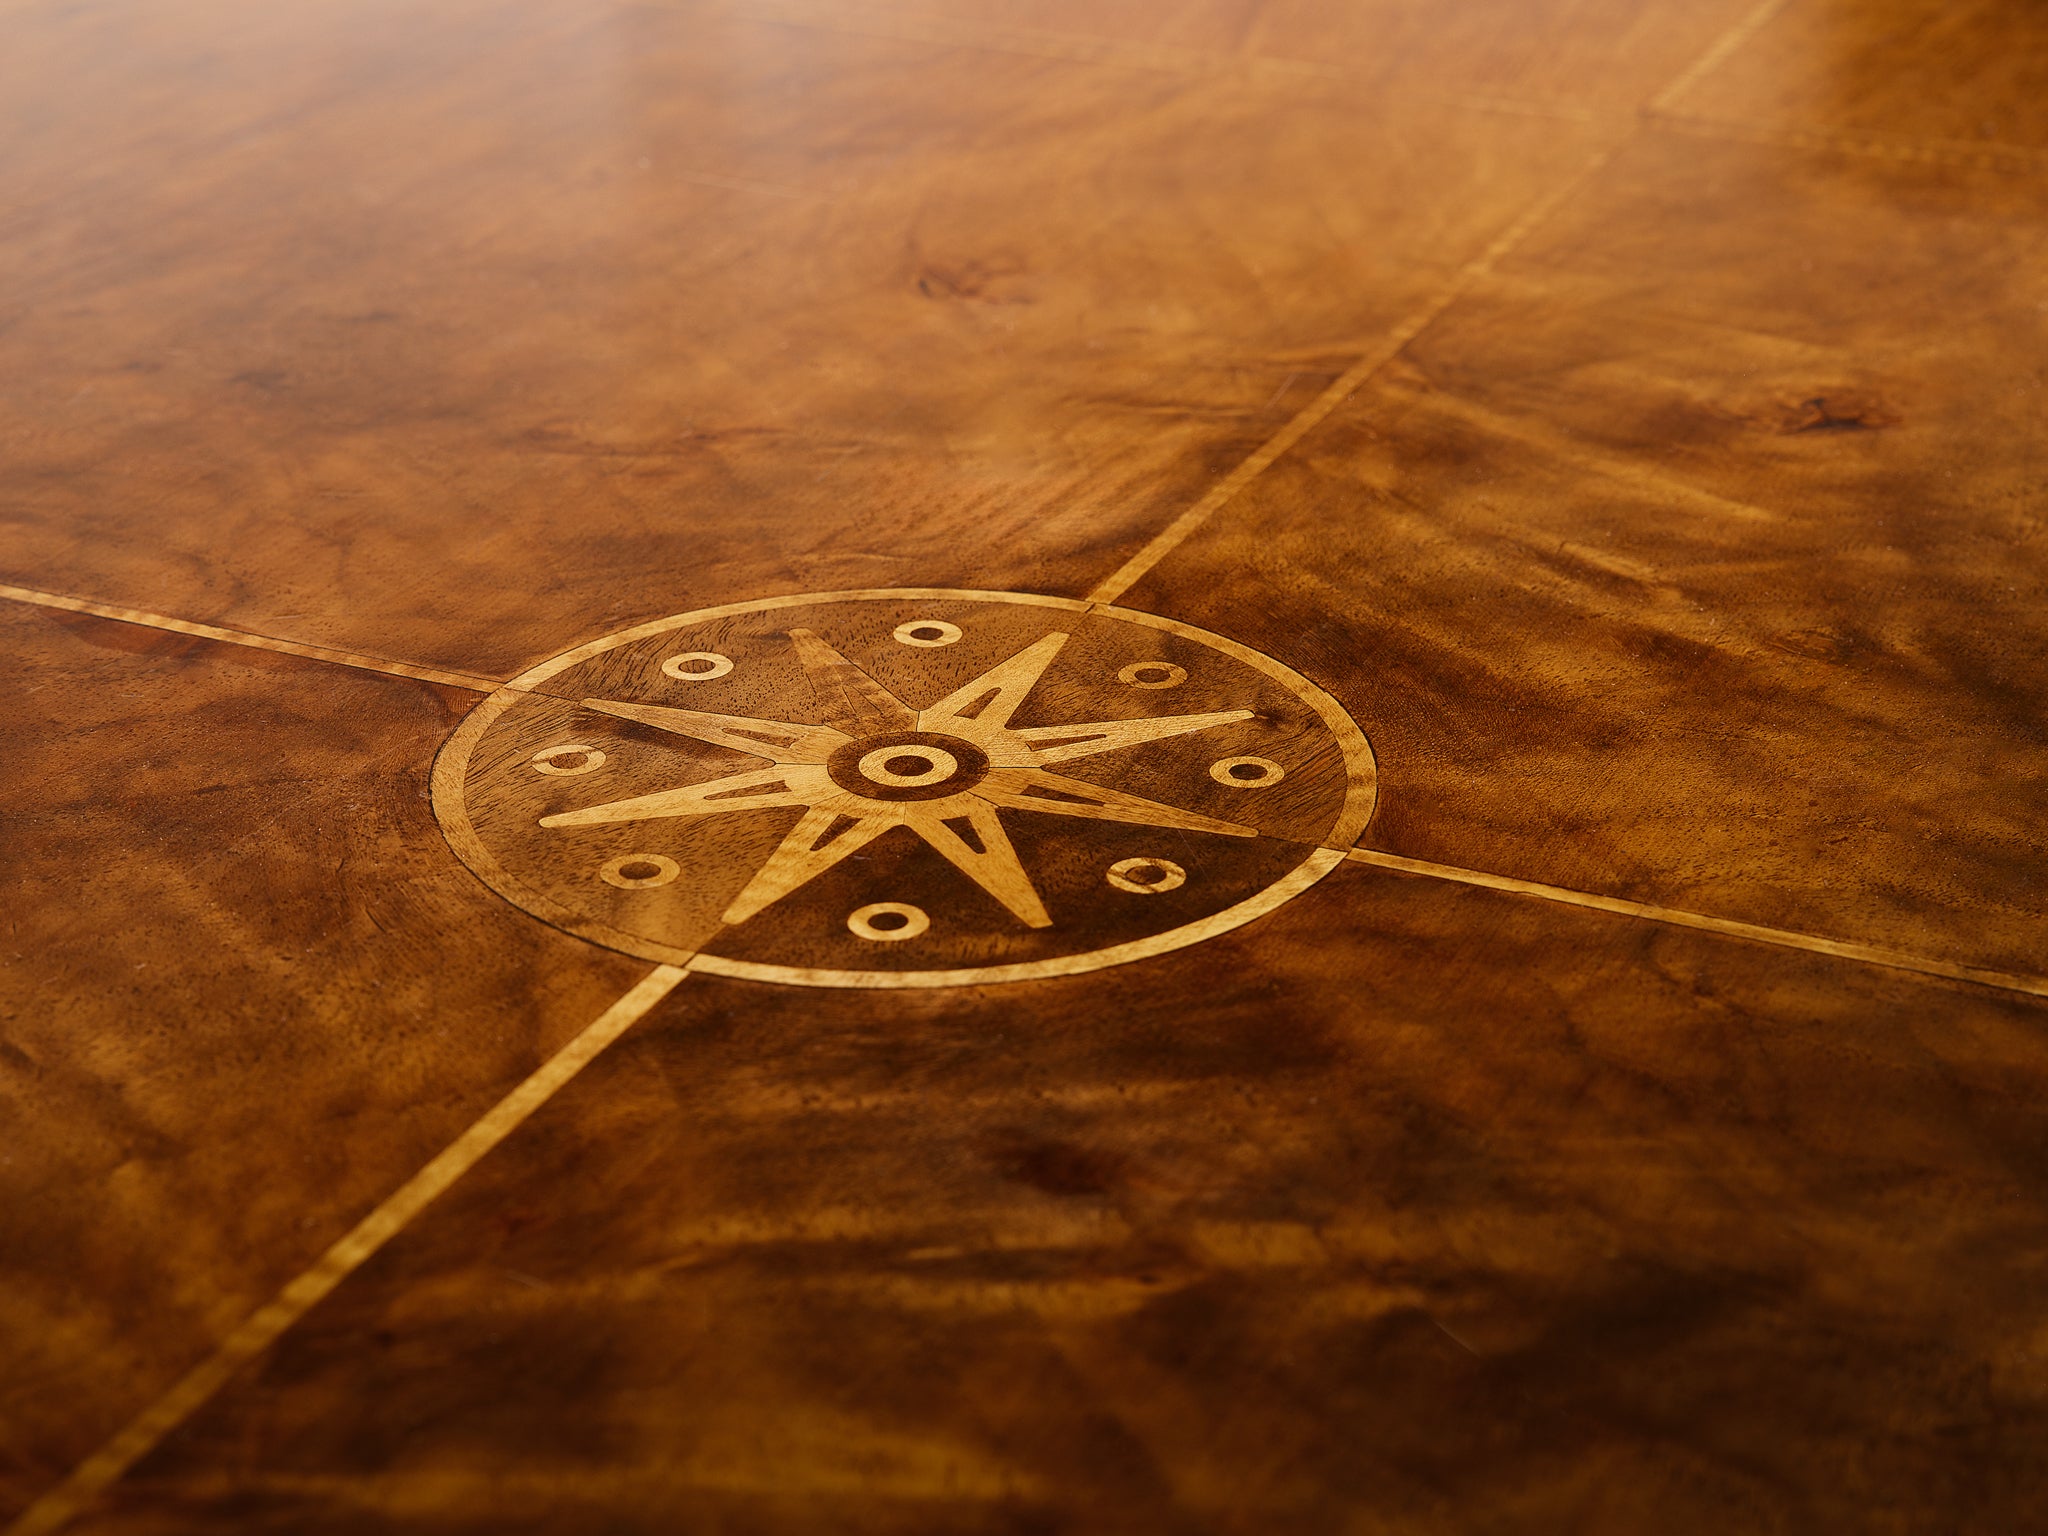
(552, 312)
(1546, 57)
(142, 1434)
(231, 1019)
(1902, 73)
(1694, 554)
(1706, 922)
(146, 619)
(1627, 410)
(1487, 1218)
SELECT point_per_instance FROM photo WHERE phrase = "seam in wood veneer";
(1990, 156)
(1718, 53)
(1390, 346)
(1786, 938)
(950, 32)
(164, 621)
(262, 1328)
(1656, 113)
(1347, 383)
(1119, 53)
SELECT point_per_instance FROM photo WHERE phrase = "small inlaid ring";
(928, 633)
(1247, 772)
(1153, 674)
(891, 766)
(639, 871)
(1146, 877)
(591, 760)
(696, 666)
(888, 922)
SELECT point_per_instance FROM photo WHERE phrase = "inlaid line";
(261, 1329)
(941, 31)
(1785, 938)
(1717, 54)
(1985, 155)
(164, 621)
(1389, 347)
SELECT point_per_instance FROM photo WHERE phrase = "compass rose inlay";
(904, 788)
(874, 763)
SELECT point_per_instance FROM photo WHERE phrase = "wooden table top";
(1193, 766)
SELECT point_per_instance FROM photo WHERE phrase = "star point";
(996, 767)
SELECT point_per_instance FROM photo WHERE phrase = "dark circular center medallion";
(908, 765)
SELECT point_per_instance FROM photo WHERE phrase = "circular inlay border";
(452, 762)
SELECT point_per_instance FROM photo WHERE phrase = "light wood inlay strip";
(1786, 938)
(1989, 155)
(1721, 50)
(144, 617)
(1408, 329)
(1389, 347)
(262, 1328)
(940, 31)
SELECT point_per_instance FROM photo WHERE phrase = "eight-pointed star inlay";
(875, 764)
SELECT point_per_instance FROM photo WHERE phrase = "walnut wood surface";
(1484, 1218)
(1728, 525)
(1652, 394)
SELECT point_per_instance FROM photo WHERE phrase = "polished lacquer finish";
(1213, 766)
